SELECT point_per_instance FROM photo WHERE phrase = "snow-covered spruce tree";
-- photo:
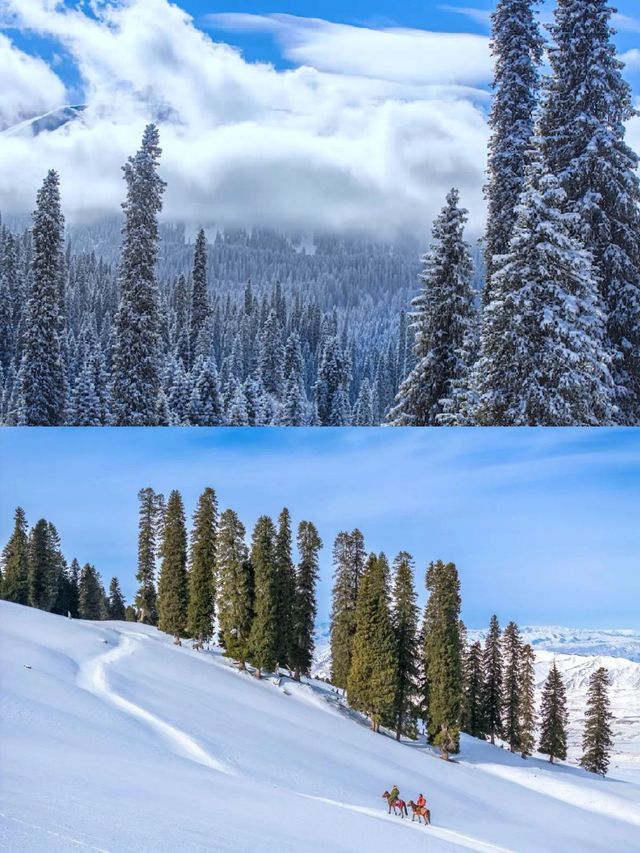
(294, 401)
(363, 409)
(543, 359)
(349, 557)
(442, 653)
(272, 355)
(116, 609)
(235, 593)
(182, 330)
(146, 598)
(263, 641)
(199, 293)
(371, 685)
(202, 568)
(15, 562)
(472, 716)
(205, 405)
(91, 596)
(405, 626)
(444, 322)
(511, 686)
(597, 740)
(586, 107)
(331, 388)
(516, 46)
(493, 680)
(527, 701)
(42, 372)
(136, 353)
(553, 716)
(305, 608)
(172, 583)
(286, 588)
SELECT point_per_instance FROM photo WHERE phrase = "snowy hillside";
(113, 739)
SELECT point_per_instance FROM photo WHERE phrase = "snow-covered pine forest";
(141, 328)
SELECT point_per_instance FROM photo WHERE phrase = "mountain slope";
(114, 739)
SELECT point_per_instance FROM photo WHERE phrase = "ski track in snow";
(54, 834)
(93, 677)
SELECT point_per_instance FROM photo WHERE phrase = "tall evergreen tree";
(199, 293)
(136, 353)
(90, 594)
(117, 607)
(45, 565)
(235, 591)
(493, 674)
(442, 653)
(472, 717)
(405, 627)
(511, 686)
(202, 568)
(15, 562)
(305, 607)
(348, 559)
(516, 45)
(587, 105)
(264, 636)
(597, 740)
(553, 716)
(445, 325)
(146, 598)
(172, 583)
(42, 372)
(527, 701)
(372, 681)
(286, 588)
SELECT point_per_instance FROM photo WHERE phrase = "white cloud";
(28, 85)
(631, 58)
(480, 16)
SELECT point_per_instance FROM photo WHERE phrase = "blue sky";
(542, 523)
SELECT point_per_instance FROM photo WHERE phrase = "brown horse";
(421, 812)
(395, 803)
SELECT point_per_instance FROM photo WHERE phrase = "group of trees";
(34, 572)
(556, 340)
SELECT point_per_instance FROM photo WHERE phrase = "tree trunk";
(296, 674)
(551, 759)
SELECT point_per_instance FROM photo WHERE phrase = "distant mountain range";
(46, 122)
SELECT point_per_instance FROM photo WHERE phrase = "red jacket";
(421, 802)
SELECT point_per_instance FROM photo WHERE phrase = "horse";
(421, 812)
(395, 803)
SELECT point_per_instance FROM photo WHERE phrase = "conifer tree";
(348, 559)
(66, 595)
(405, 627)
(493, 675)
(586, 107)
(172, 583)
(527, 701)
(90, 594)
(472, 718)
(146, 598)
(286, 588)
(15, 562)
(597, 740)
(136, 354)
(45, 565)
(444, 322)
(331, 388)
(442, 651)
(511, 686)
(263, 641)
(235, 591)
(130, 614)
(305, 607)
(116, 609)
(553, 716)
(372, 681)
(199, 294)
(202, 568)
(42, 372)
(516, 45)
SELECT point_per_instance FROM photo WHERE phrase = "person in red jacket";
(421, 802)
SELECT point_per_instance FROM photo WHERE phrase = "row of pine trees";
(556, 340)
(398, 671)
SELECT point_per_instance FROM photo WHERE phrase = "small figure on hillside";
(421, 802)
(394, 793)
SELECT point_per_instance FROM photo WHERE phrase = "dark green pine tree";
(371, 686)
(130, 614)
(202, 568)
(349, 559)
(527, 701)
(405, 627)
(492, 700)
(511, 686)
(442, 653)
(172, 583)
(15, 562)
(116, 605)
(199, 296)
(264, 638)
(66, 593)
(42, 372)
(90, 594)
(146, 598)
(45, 565)
(597, 740)
(286, 583)
(553, 716)
(235, 591)
(305, 607)
(472, 720)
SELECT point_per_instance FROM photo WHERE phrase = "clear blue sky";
(542, 523)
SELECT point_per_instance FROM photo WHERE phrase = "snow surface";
(114, 739)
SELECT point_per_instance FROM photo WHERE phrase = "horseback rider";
(394, 794)
(421, 802)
